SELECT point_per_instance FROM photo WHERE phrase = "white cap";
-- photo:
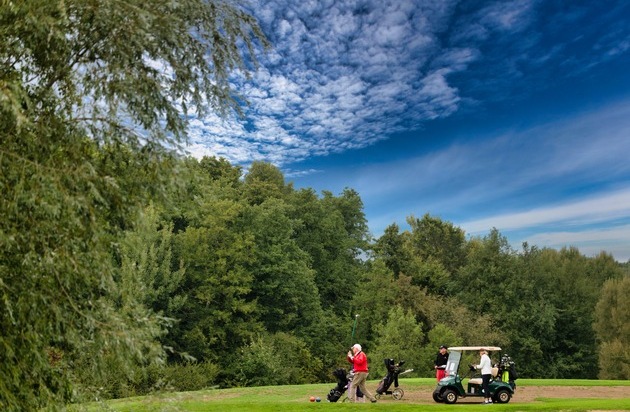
(356, 345)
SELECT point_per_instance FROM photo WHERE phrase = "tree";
(575, 287)
(333, 232)
(375, 295)
(283, 284)
(612, 324)
(218, 314)
(264, 181)
(435, 239)
(389, 247)
(75, 75)
(149, 281)
(440, 335)
(276, 359)
(488, 272)
(398, 337)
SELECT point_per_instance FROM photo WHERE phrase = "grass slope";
(296, 398)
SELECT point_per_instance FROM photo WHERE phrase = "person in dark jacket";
(440, 363)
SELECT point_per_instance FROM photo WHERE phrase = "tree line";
(126, 268)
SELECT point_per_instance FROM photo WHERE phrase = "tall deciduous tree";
(333, 232)
(264, 181)
(284, 285)
(398, 338)
(75, 74)
(390, 248)
(574, 283)
(612, 324)
(434, 239)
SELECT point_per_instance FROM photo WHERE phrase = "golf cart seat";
(478, 381)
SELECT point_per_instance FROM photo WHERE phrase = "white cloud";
(341, 76)
(515, 181)
(614, 234)
(601, 208)
(508, 15)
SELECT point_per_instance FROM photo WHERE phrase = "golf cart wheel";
(437, 397)
(502, 396)
(398, 394)
(449, 396)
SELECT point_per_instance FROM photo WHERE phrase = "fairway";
(531, 395)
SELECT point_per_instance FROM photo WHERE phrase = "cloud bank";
(343, 75)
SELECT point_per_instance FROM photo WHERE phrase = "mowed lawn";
(536, 395)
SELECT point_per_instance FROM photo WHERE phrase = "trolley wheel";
(398, 394)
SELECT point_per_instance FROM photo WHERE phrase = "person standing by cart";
(440, 363)
(486, 373)
(360, 362)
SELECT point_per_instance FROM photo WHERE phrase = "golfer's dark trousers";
(485, 384)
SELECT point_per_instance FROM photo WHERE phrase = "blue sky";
(506, 114)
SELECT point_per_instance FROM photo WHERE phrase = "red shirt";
(360, 362)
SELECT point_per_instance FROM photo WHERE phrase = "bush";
(279, 359)
(182, 377)
(189, 376)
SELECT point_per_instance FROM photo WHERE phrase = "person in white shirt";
(486, 373)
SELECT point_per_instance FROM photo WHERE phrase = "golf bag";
(343, 381)
(342, 384)
(507, 370)
(393, 370)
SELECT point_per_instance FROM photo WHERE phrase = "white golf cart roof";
(475, 348)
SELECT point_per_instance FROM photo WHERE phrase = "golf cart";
(451, 387)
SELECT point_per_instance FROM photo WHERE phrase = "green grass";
(296, 398)
(570, 382)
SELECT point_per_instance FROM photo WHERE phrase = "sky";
(512, 115)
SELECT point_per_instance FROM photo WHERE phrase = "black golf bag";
(342, 384)
(393, 370)
(343, 381)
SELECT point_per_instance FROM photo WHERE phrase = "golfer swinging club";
(359, 360)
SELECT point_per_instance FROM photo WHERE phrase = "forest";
(127, 267)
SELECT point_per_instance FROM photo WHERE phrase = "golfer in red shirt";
(360, 362)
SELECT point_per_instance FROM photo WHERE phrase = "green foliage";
(187, 376)
(376, 293)
(435, 239)
(276, 359)
(390, 248)
(87, 96)
(178, 377)
(264, 181)
(470, 326)
(147, 253)
(397, 338)
(217, 315)
(612, 324)
(333, 233)
(573, 283)
(284, 285)
(439, 335)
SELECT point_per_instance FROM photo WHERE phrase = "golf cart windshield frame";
(455, 356)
